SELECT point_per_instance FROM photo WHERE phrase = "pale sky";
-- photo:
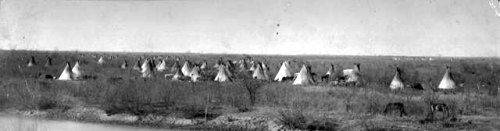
(331, 27)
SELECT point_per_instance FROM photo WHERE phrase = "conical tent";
(195, 74)
(353, 75)
(331, 70)
(100, 61)
(283, 72)
(266, 72)
(66, 73)
(147, 69)
(137, 66)
(49, 62)
(397, 82)
(178, 74)
(304, 77)
(124, 65)
(447, 82)
(258, 73)
(162, 66)
(243, 65)
(175, 67)
(76, 70)
(31, 62)
(186, 68)
(253, 66)
(204, 65)
(221, 75)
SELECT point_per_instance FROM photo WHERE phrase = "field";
(119, 96)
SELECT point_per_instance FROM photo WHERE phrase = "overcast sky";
(333, 27)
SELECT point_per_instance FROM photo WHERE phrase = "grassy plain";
(252, 104)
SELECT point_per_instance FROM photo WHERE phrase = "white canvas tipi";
(265, 69)
(66, 73)
(49, 62)
(304, 77)
(186, 68)
(221, 75)
(331, 71)
(76, 70)
(284, 71)
(203, 65)
(447, 82)
(195, 74)
(176, 66)
(147, 69)
(253, 66)
(31, 62)
(259, 73)
(162, 66)
(353, 75)
(243, 65)
(137, 66)
(397, 82)
(100, 61)
(178, 75)
(124, 65)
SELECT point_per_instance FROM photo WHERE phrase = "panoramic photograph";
(336, 65)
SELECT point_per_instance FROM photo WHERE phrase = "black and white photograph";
(260, 65)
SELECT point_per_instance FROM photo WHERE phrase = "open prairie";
(114, 95)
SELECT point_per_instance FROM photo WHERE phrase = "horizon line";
(211, 53)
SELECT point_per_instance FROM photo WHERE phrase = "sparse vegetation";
(117, 91)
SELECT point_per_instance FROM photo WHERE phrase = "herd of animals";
(226, 73)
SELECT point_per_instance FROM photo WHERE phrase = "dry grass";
(120, 91)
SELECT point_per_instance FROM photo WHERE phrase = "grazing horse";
(438, 107)
(396, 106)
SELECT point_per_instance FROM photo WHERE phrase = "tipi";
(162, 66)
(176, 66)
(76, 70)
(266, 72)
(49, 62)
(222, 74)
(353, 75)
(331, 71)
(31, 62)
(137, 66)
(259, 73)
(447, 82)
(147, 69)
(203, 65)
(124, 65)
(243, 65)
(397, 82)
(178, 74)
(195, 73)
(186, 68)
(66, 73)
(304, 77)
(284, 71)
(253, 66)
(100, 61)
